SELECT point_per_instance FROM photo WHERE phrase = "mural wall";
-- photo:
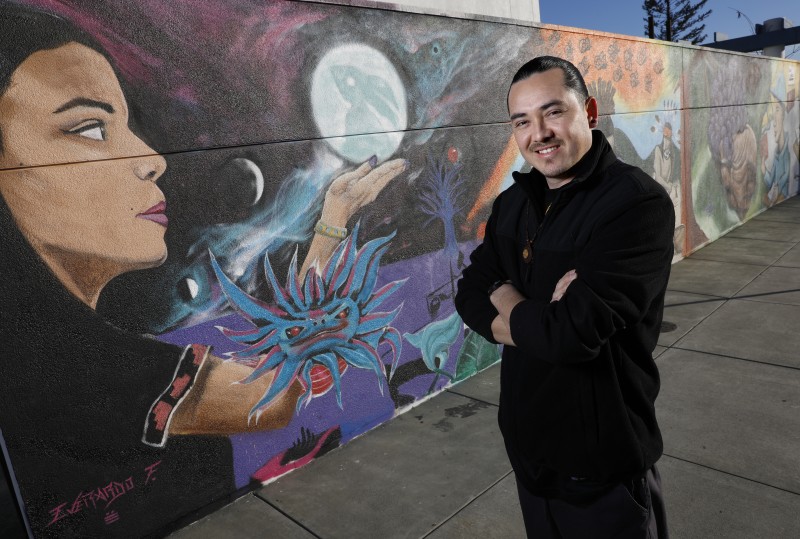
(231, 231)
(743, 139)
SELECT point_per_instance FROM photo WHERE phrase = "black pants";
(634, 511)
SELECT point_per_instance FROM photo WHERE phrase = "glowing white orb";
(359, 103)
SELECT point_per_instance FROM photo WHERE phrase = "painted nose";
(150, 168)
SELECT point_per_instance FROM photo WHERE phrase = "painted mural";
(743, 143)
(232, 230)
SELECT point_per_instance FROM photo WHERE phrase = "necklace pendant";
(527, 253)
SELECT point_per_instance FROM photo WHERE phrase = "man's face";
(551, 125)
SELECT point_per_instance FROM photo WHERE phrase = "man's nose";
(541, 132)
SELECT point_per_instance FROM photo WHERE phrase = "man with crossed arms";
(571, 278)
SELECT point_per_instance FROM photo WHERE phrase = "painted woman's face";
(80, 184)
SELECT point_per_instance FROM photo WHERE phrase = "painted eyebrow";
(84, 102)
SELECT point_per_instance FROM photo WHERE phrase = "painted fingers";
(353, 190)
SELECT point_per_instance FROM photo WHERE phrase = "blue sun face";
(322, 328)
(320, 319)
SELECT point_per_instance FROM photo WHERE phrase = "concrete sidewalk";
(729, 410)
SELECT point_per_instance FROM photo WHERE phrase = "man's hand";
(504, 300)
(501, 331)
(563, 284)
(507, 297)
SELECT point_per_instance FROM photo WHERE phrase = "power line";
(740, 14)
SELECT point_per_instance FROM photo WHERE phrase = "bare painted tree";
(676, 20)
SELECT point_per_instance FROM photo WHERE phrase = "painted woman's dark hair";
(25, 30)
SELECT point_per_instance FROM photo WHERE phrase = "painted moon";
(255, 175)
(359, 103)
(239, 185)
(188, 289)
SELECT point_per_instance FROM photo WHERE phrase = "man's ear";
(591, 112)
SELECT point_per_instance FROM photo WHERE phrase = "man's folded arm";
(472, 299)
(620, 273)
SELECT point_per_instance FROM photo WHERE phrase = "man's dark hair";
(25, 30)
(572, 77)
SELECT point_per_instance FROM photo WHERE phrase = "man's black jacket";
(578, 390)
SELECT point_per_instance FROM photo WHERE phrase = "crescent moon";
(194, 288)
(257, 175)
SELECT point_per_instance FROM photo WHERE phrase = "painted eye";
(344, 313)
(91, 129)
(294, 331)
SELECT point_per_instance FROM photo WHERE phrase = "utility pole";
(773, 25)
(669, 21)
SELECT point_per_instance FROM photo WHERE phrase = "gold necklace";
(527, 250)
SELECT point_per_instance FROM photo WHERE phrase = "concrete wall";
(521, 10)
(269, 116)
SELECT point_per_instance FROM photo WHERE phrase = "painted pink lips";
(156, 214)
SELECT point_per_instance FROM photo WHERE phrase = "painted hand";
(353, 190)
(563, 284)
(604, 92)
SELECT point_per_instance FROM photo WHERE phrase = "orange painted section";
(492, 186)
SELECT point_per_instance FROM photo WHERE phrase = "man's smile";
(547, 151)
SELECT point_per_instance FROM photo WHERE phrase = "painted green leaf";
(476, 354)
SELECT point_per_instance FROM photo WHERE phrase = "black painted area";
(11, 525)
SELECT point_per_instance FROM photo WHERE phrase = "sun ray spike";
(371, 275)
(344, 277)
(271, 360)
(305, 378)
(293, 279)
(330, 265)
(385, 291)
(332, 364)
(392, 337)
(249, 306)
(281, 295)
(283, 378)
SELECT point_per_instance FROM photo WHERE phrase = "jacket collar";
(599, 157)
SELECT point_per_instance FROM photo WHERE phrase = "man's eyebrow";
(552, 103)
(84, 102)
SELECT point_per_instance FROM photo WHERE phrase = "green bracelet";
(336, 232)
